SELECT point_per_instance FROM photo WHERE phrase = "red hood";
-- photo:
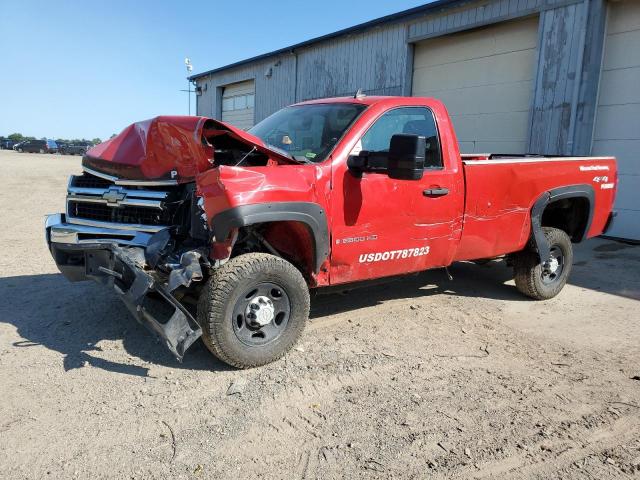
(156, 148)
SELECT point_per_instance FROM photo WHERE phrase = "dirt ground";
(421, 377)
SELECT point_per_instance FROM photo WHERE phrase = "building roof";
(403, 15)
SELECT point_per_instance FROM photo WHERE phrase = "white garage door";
(237, 104)
(485, 78)
(617, 129)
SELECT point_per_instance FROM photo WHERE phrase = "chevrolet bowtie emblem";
(114, 196)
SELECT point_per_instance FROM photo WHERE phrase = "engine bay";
(223, 147)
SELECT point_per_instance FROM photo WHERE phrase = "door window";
(412, 120)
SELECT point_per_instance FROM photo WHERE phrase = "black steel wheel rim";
(261, 314)
(553, 268)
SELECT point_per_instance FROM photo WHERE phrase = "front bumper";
(119, 259)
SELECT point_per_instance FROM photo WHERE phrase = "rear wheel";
(544, 281)
(41, 150)
(20, 150)
(253, 309)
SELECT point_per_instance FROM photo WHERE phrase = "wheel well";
(568, 214)
(292, 240)
(311, 216)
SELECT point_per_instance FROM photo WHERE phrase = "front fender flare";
(309, 213)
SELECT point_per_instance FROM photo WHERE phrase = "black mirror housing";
(406, 156)
(357, 162)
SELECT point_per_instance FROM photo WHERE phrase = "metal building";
(518, 76)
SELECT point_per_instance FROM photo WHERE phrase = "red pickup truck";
(209, 231)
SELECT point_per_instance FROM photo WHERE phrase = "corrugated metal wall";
(373, 61)
(380, 61)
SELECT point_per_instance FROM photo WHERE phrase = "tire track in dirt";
(593, 442)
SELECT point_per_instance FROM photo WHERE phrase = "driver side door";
(385, 226)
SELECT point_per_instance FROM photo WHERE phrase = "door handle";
(436, 192)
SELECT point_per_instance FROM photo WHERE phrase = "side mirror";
(357, 162)
(406, 156)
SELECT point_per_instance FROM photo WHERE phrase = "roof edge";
(415, 11)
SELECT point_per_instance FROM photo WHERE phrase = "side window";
(413, 120)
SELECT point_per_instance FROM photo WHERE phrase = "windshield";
(308, 132)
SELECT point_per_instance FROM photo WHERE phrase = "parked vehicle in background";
(37, 146)
(231, 229)
(74, 148)
(6, 144)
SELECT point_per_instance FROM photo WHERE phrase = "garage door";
(485, 77)
(237, 104)
(617, 130)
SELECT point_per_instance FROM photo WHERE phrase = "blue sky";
(87, 69)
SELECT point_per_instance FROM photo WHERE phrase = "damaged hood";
(167, 148)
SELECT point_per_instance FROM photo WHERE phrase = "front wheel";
(253, 309)
(544, 281)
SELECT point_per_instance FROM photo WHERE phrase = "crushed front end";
(141, 216)
(145, 239)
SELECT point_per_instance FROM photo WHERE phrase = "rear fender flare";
(572, 191)
(311, 214)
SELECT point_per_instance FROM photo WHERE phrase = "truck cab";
(231, 230)
(396, 225)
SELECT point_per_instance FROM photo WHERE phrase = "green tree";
(96, 141)
(16, 137)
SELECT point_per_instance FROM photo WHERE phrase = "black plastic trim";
(560, 193)
(118, 267)
(311, 214)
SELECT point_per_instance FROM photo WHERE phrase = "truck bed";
(501, 191)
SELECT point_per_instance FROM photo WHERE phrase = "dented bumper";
(120, 259)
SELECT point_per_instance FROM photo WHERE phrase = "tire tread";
(220, 287)
(527, 267)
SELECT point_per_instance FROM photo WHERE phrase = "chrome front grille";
(92, 200)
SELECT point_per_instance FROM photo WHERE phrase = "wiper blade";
(301, 159)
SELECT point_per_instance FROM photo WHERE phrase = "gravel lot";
(421, 377)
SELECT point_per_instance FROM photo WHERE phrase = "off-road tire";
(528, 270)
(224, 289)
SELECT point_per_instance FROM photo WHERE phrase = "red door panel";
(382, 226)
